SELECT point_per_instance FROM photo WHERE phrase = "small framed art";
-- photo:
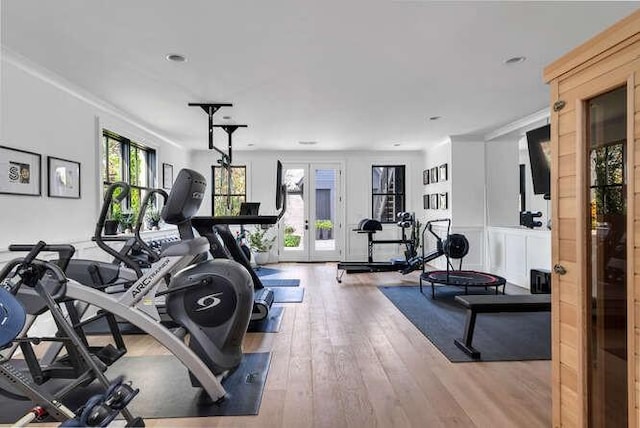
(20, 172)
(63, 178)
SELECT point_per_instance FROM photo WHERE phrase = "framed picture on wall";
(434, 174)
(433, 203)
(425, 176)
(444, 201)
(63, 178)
(425, 202)
(444, 173)
(19, 172)
(167, 176)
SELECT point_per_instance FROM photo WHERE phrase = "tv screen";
(539, 142)
(279, 194)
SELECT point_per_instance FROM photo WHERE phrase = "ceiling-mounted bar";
(211, 109)
(229, 129)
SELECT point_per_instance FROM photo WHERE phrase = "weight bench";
(479, 304)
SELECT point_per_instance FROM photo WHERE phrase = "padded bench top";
(506, 303)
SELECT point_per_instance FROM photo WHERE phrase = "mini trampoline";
(462, 278)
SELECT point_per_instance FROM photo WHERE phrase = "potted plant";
(153, 218)
(291, 240)
(127, 220)
(261, 243)
(323, 228)
(111, 226)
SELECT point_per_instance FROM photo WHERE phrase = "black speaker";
(540, 281)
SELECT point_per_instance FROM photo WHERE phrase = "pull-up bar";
(211, 109)
(227, 157)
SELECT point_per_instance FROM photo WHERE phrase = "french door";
(311, 229)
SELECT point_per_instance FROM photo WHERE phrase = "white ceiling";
(349, 74)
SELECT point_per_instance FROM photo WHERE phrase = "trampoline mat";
(463, 278)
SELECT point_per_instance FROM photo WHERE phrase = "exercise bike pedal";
(108, 354)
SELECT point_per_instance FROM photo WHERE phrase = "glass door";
(607, 258)
(311, 227)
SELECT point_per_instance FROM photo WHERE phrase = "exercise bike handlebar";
(31, 270)
(65, 251)
(153, 255)
(108, 200)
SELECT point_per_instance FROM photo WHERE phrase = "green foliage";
(288, 229)
(153, 215)
(292, 241)
(259, 240)
(126, 219)
(324, 224)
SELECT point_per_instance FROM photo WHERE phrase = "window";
(237, 193)
(387, 196)
(125, 160)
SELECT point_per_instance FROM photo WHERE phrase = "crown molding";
(520, 123)
(49, 77)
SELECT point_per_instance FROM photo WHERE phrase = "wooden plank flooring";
(346, 357)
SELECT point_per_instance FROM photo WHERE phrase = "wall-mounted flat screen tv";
(539, 142)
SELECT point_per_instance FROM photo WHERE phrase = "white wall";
(503, 184)
(356, 179)
(434, 157)
(42, 113)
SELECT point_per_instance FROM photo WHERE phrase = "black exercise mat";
(287, 294)
(271, 324)
(166, 391)
(279, 282)
(498, 337)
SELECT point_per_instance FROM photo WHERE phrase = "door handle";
(306, 225)
(559, 269)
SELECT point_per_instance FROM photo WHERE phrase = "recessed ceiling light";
(176, 58)
(515, 60)
(435, 117)
(307, 143)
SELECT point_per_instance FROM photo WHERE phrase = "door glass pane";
(326, 187)
(607, 254)
(294, 217)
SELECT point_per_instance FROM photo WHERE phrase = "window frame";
(126, 145)
(402, 193)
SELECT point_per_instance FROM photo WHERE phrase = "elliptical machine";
(211, 299)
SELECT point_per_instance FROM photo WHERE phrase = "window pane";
(388, 192)
(105, 149)
(238, 176)
(219, 181)
(220, 205)
(114, 154)
(134, 165)
(143, 168)
(378, 175)
(134, 200)
(385, 208)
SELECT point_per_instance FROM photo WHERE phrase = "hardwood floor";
(346, 357)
